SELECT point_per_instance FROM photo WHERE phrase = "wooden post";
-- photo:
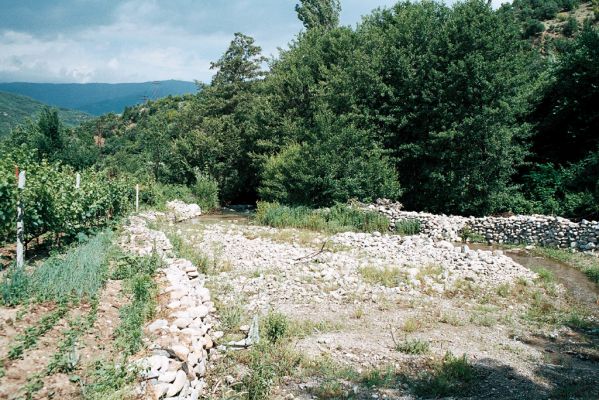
(137, 198)
(77, 180)
(20, 222)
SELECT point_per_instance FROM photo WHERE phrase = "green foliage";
(28, 338)
(109, 381)
(570, 27)
(52, 203)
(78, 273)
(141, 288)
(452, 376)
(408, 227)
(413, 346)
(389, 276)
(340, 164)
(205, 189)
(339, 218)
(16, 110)
(276, 326)
(319, 13)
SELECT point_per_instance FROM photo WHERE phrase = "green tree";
(319, 13)
(241, 62)
(50, 130)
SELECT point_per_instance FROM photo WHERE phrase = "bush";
(340, 163)
(570, 27)
(205, 190)
(275, 327)
(533, 27)
(339, 218)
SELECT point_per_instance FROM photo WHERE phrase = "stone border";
(181, 342)
(518, 229)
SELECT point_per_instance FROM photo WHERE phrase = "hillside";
(15, 109)
(98, 98)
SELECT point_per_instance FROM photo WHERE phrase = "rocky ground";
(361, 301)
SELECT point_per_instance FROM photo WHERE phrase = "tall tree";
(319, 13)
(50, 130)
(242, 62)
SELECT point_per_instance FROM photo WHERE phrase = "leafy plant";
(275, 326)
(408, 227)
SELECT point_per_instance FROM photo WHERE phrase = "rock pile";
(182, 340)
(180, 211)
(519, 229)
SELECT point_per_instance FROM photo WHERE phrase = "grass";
(411, 325)
(452, 376)
(141, 288)
(387, 276)
(432, 271)
(413, 346)
(79, 273)
(107, 380)
(468, 235)
(408, 227)
(339, 218)
(589, 265)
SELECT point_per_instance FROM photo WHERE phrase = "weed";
(276, 326)
(468, 235)
(28, 339)
(432, 271)
(15, 287)
(408, 227)
(452, 319)
(413, 346)
(330, 389)
(387, 276)
(585, 263)
(411, 325)
(483, 319)
(339, 218)
(503, 290)
(230, 318)
(358, 313)
(450, 377)
(545, 276)
(109, 381)
(142, 289)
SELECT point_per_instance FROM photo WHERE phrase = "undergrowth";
(339, 218)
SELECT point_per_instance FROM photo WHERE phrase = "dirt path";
(361, 301)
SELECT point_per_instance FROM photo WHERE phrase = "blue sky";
(140, 40)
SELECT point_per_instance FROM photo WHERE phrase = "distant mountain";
(98, 98)
(15, 109)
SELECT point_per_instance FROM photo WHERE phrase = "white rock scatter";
(265, 272)
(518, 229)
(181, 341)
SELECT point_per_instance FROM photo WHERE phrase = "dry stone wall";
(519, 229)
(181, 341)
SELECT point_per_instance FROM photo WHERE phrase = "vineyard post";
(77, 180)
(137, 198)
(20, 222)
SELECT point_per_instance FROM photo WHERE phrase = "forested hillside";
(458, 109)
(16, 109)
(98, 98)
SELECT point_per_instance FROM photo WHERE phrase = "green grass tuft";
(339, 218)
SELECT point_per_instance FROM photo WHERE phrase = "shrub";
(205, 190)
(533, 27)
(389, 276)
(275, 326)
(570, 27)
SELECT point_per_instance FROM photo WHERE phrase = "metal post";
(136, 198)
(20, 222)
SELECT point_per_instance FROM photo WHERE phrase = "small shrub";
(109, 380)
(468, 235)
(545, 276)
(408, 227)
(230, 318)
(380, 378)
(413, 346)
(205, 190)
(275, 326)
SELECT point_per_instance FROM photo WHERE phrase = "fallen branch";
(313, 254)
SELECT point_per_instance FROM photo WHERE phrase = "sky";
(114, 41)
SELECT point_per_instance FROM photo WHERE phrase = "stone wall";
(519, 229)
(181, 341)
